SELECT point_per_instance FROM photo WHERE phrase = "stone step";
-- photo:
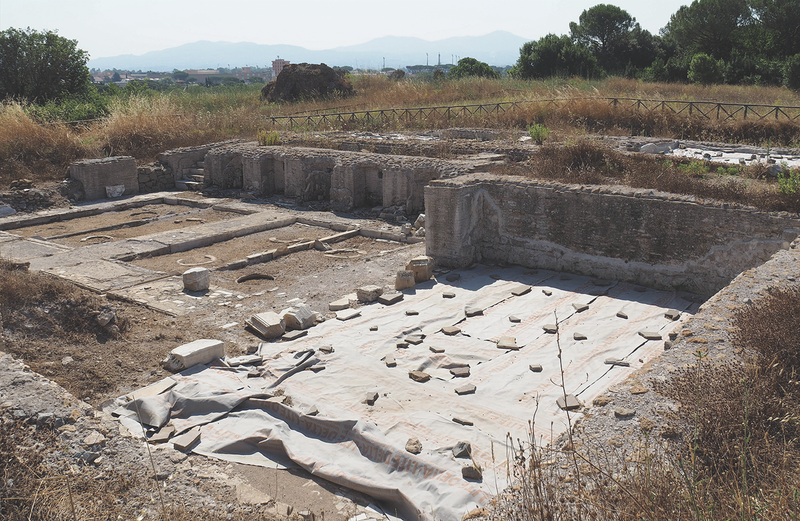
(195, 171)
(198, 178)
(187, 185)
(181, 185)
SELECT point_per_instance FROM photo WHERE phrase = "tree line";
(753, 42)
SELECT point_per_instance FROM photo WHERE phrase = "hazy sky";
(113, 27)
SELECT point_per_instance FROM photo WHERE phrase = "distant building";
(247, 72)
(278, 65)
(202, 74)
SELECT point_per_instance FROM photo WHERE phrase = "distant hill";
(498, 48)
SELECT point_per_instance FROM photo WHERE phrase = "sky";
(107, 28)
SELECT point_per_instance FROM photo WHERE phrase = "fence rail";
(710, 110)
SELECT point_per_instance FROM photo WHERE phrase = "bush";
(268, 139)
(471, 67)
(705, 70)
(791, 72)
(538, 133)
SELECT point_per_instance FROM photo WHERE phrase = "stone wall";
(155, 177)
(180, 160)
(98, 174)
(642, 236)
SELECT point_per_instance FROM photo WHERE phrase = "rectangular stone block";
(200, 351)
(97, 174)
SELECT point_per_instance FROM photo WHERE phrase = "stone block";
(391, 298)
(422, 268)
(196, 279)
(371, 398)
(451, 330)
(163, 434)
(673, 314)
(473, 311)
(615, 361)
(294, 335)
(390, 361)
(448, 294)
(187, 440)
(299, 317)
(465, 389)
(507, 342)
(578, 336)
(462, 421)
(462, 449)
(268, 324)
(550, 328)
(419, 376)
(622, 314)
(472, 472)
(536, 368)
(369, 293)
(200, 351)
(436, 350)
(415, 339)
(521, 290)
(97, 174)
(579, 307)
(460, 372)
(404, 280)
(514, 319)
(570, 403)
(624, 413)
(414, 446)
(347, 314)
(338, 305)
(650, 335)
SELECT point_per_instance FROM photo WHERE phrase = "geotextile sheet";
(362, 446)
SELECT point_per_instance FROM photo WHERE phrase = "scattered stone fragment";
(667, 345)
(338, 305)
(622, 314)
(162, 435)
(670, 431)
(299, 317)
(578, 336)
(373, 328)
(579, 307)
(419, 376)
(547, 292)
(268, 324)
(390, 361)
(94, 438)
(196, 279)
(452, 277)
(347, 314)
(638, 389)
(448, 294)
(624, 412)
(404, 280)
(412, 312)
(437, 350)
(462, 449)
(294, 335)
(422, 268)
(244, 360)
(465, 389)
(369, 293)
(67, 360)
(473, 311)
(462, 421)
(507, 342)
(312, 411)
(472, 472)
(391, 298)
(414, 446)
(105, 318)
(521, 290)
(514, 319)
(326, 349)
(322, 246)
(200, 351)
(650, 335)
(460, 372)
(451, 330)
(550, 328)
(415, 339)
(673, 314)
(601, 401)
(371, 398)
(536, 368)
(570, 403)
(617, 361)
(187, 440)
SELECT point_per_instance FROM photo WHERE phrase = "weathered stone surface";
(570, 403)
(650, 335)
(638, 389)
(196, 279)
(387, 299)
(462, 449)
(94, 438)
(536, 368)
(306, 81)
(420, 221)
(97, 174)
(472, 472)
(422, 268)
(162, 435)
(419, 376)
(601, 401)
(473, 311)
(248, 495)
(550, 328)
(200, 351)
(338, 305)
(624, 412)
(369, 293)
(451, 330)
(507, 342)
(268, 324)
(578, 336)
(404, 280)
(414, 446)
(460, 372)
(299, 317)
(465, 389)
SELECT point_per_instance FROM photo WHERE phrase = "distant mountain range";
(499, 48)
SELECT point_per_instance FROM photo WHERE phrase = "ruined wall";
(180, 160)
(642, 236)
(155, 177)
(99, 176)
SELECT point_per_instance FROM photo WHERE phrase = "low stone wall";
(642, 236)
(98, 174)
(180, 159)
(155, 177)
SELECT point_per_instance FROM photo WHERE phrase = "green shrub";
(788, 180)
(705, 70)
(791, 72)
(538, 133)
(268, 139)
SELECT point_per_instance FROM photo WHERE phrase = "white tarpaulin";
(362, 446)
